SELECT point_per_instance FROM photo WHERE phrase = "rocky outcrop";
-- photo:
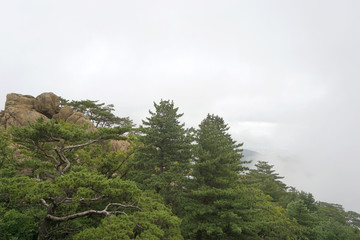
(21, 117)
(64, 113)
(78, 118)
(119, 145)
(67, 114)
(19, 100)
(19, 109)
(47, 104)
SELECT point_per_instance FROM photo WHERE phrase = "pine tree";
(265, 179)
(216, 205)
(101, 115)
(162, 162)
(49, 192)
(218, 162)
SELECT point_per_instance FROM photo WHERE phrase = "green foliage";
(220, 205)
(298, 210)
(106, 161)
(308, 200)
(214, 208)
(81, 190)
(16, 225)
(332, 230)
(322, 221)
(353, 218)
(333, 212)
(60, 201)
(217, 156)
(265, 178)
(162, 160)
(155, 221)
(48, 144)
(236, 213)
(270, 221)
(213, 214)
(6, 152)
(99, 113)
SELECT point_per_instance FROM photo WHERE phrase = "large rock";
(47, 104)
(18, 116)
(19, 109)
(19, 100)
(64, 113)
(78, 118)
(67, 114)
(119, 145)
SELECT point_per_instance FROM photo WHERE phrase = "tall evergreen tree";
(215, 207)
(162, 162)
(218, 160)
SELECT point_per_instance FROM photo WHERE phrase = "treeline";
(59, 180)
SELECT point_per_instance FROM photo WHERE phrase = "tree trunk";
(43, 229)
(44, 225)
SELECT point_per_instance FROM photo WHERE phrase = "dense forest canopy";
(62, 180)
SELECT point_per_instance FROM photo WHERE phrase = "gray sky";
(283, 74)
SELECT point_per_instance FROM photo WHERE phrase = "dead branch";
(82, 145)
(45, 203)
(105, 212)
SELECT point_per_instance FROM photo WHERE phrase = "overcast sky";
(283, 74)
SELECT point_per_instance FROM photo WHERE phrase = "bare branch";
(50, 175)
(76, 215)
(55, 139)
(59, 200)
(91, 211)
(123, 205)
(67, 167)
(60, 152)
(82, 200)
(93, 199)
(83, 144)
(44, 203)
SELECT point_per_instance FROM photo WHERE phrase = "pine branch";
(105, 212)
